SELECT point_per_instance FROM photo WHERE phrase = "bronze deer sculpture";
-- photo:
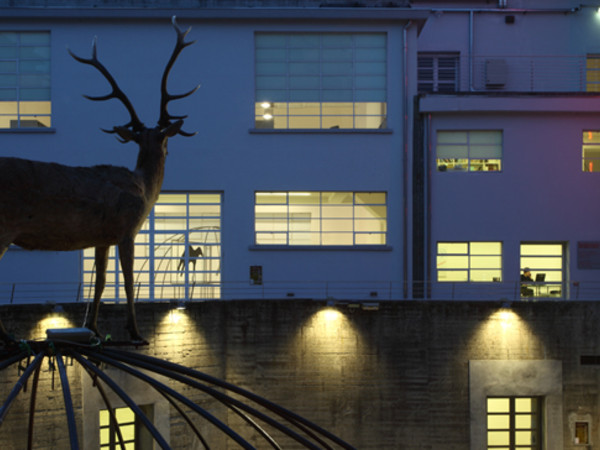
(48, 206)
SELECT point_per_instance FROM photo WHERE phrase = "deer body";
(71, 208)
(49, 206)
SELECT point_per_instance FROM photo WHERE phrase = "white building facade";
(297, 183)
(432, 150)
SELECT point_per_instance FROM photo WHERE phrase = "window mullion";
(354, 218)
(512, 415)
(288, 218)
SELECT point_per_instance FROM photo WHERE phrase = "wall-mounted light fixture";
(178, 305)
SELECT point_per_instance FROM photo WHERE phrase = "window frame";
(590, 141)
(24, 71)
(140, 434)
(469, 257)
(592, 72)
(326, 107)
(513, 429)
(539, 257)
(290, 224)
(436, 79)
(162, 257)
(469, 161)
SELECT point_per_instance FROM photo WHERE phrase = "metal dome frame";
(91, 355)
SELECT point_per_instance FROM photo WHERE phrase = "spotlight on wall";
(178, 305)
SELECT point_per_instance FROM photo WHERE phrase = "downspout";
(405, 162)
(470, 57)
(428, 211)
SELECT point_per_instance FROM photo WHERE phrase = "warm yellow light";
(177, 316)
(267, 116)
(507, 318)
(502, 335)
(51, 321)
(331, 315)
(266, 105)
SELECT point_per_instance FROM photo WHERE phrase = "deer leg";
(126, 253)
(101, 256)
(4, 336)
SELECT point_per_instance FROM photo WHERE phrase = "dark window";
(437, 72)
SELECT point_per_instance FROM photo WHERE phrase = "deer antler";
(165, 118)
(135, 123)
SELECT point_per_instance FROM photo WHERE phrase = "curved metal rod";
(19, 385)
(109, 408)
(64, 382)
(13, 359)
(282, 412)
(34, 386)
(223, 398)
(254, 425)
(121, 393)
(187, 419)
(160, 386)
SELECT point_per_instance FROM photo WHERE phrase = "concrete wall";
(392, 378)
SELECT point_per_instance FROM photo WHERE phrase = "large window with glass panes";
(320, 80)
(320, 218)
(469, 261)
(24, 79)
(469, 151)
(177, 252)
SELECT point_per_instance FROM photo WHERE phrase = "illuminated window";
(437, 72)
(545, 262)
(124, 425)
(177, 252)
(513, 423)
(24, 79)
(469, 261)
(321, 80)
(593, 73)
(591, 151)
(473, 151)
(320, 218)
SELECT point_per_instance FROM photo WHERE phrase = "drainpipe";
(429, 163)
(405, 162)
(470, 56)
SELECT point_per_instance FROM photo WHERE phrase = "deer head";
(168, 125)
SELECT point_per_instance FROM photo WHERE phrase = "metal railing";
(44, 293)
(509, 73)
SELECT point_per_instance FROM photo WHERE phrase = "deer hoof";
(135, 336)
(94, 329)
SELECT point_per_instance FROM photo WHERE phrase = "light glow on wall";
(329, 345)
(178, 331)
(175, 317)
(50, 321)
(504, 335)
